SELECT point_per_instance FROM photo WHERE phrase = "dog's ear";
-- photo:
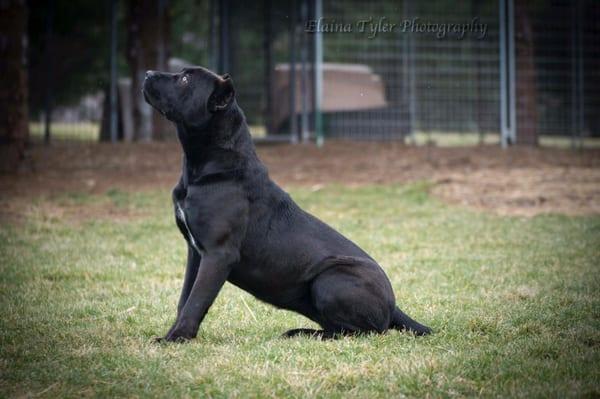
(222, 95)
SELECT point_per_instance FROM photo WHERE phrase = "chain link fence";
(422, 72)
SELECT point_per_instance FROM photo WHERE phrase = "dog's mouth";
(152, 101)
(146, 96)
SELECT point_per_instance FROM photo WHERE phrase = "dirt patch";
(16, 212)
(526, 191)
(522, 181)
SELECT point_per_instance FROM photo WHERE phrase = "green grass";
(89, 131)
(76, 131)
(514, 304)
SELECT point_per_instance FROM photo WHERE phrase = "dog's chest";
(184, 226)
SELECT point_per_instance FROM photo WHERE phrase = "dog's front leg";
(191, 270)
(212, 274)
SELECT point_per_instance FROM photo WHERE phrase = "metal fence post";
(304, 76)
(212, 41)
(408, 66)
(268, 67)
(318, 76)
(224, 36)
(508, 116)
(113, 71)
(577, 99)
(50, 71)
(292, 74)
(512, 95)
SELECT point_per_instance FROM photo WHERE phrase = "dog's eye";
(184, 80)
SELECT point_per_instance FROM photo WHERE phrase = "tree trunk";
(527, 118)
(14, 118)
(147, 49)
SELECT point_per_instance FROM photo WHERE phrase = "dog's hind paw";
(309, 333)
(158, 340)
(299, 331)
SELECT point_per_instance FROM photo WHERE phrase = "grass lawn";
(514, 303)
(75, 131)
(89, 131)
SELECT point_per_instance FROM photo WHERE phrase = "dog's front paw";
(164, 340)
(177, 334)
(173, 337)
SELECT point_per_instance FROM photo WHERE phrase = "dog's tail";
(400, 321)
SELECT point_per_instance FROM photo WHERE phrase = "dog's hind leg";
(352, 296)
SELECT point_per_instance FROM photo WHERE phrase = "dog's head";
(191, 97)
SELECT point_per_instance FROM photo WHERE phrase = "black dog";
(242, 228)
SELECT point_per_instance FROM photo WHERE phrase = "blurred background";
(495, 102)
(531, 77)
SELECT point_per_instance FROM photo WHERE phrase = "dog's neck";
(226, 131)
